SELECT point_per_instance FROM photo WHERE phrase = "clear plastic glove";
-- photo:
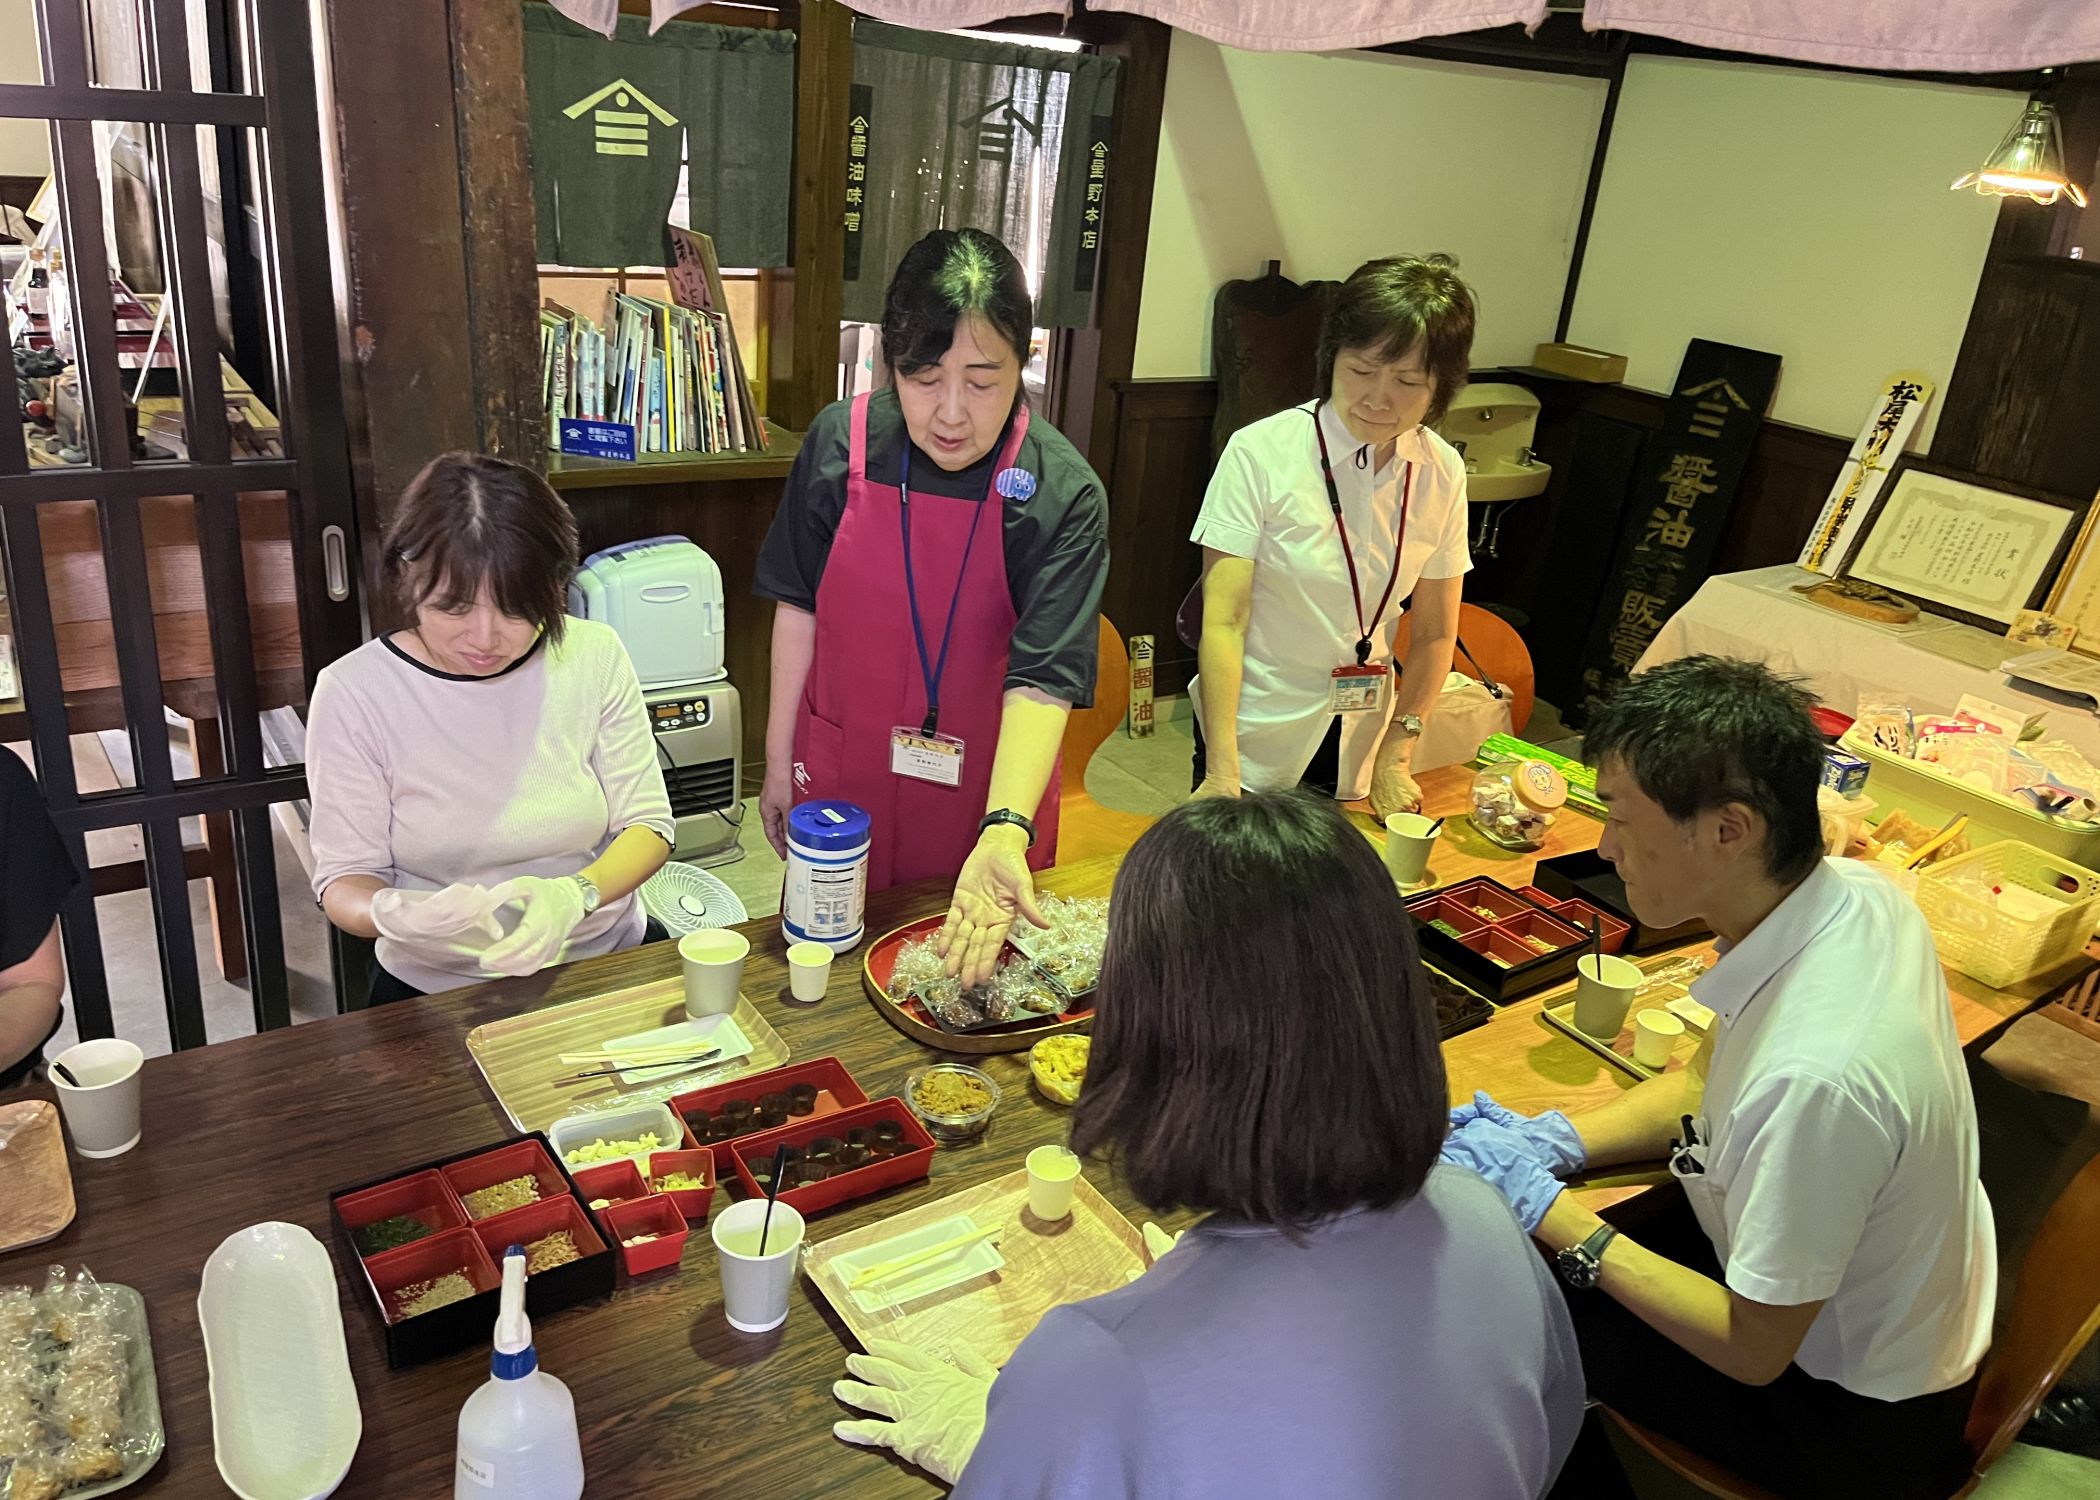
(935, 1411)
(552, 910)
(1393, 790)
(1504, 1158)
(994, 887)
(459, 916)
(1551, 1136)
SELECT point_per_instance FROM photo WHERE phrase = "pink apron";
(866, 679)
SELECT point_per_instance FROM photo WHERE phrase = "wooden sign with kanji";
(1690, 469)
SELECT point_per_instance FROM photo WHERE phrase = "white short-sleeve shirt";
(1839, 1139)
(1267, 502)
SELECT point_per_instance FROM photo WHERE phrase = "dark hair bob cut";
(946, 276)
(469, 522)
(1389, 306)
(1265, 1043)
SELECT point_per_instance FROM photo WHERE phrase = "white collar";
(1745, 968)
(1343, 446)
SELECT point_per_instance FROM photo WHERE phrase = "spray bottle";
(517, 1434)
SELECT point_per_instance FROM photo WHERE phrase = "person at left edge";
(937, 564)
(36, 877)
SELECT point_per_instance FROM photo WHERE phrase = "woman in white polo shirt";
(1320, 525)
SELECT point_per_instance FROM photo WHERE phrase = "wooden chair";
(1493, 651)
(1085, 827)
(2055, 1310)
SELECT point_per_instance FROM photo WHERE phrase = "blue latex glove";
(1550, 1136)
(1504, 1158)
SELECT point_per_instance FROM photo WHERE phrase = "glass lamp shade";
(2029, 162)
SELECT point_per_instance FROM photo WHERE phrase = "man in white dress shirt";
(1821, 1329)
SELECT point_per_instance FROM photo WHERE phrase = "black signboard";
(1689, 472)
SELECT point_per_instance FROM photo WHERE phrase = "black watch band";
(1582, 1266)
(1008, 815)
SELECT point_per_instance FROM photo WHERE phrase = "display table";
(670, 1401)
(1928, 663)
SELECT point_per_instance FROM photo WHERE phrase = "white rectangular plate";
(710, 1031)
(937, 1275)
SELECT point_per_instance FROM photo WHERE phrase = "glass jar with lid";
(1515, 801)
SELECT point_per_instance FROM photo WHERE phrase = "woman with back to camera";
(937, 564)
(1348, 1318)
(1325, 524)
(486, 793)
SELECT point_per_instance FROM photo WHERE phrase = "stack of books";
(669, 370)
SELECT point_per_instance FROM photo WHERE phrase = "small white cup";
(1604, 988)
(713, 960)
(1408, 843)
(755, 1287)
(103, 1112)
(809, 971)
(1053, 1177)
(1655, 1034)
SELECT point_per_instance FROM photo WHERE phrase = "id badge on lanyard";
(924, 753)
(920, 756)
(1358, 690)
(1364, 685)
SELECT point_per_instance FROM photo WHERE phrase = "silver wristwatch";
(1408, 724)
(1581, 1266)
(589, 887)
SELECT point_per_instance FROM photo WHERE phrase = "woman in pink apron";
(937, 564)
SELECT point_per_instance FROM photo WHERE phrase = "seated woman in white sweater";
(486, 795)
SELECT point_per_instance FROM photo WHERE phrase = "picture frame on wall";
(1970, 548)
(2076, 598)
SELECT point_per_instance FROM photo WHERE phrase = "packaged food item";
(1514, 802)
(1844, 774)
(1890, 725)
(65, 1388)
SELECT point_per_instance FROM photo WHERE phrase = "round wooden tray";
(911, 1018)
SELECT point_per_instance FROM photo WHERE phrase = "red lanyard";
(1334, 503)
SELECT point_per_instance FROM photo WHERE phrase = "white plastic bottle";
(517, 1434)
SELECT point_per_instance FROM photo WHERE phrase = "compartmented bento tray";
(462, 1235)
(1493, 940)
(915, 1021)
(1590, 877)
(838, 1158)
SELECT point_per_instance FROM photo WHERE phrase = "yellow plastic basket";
(2000, 949)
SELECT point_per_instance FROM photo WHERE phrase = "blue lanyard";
(932, 670)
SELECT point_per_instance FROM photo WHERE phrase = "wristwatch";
(1408, 724)
(1581, 1266)
(1008, 815)
(589, 887)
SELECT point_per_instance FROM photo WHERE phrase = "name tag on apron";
(1357, 690)
(937, 758)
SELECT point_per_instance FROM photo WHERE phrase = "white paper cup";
(1655, 1034)
(1407, 845)
(755, 1287)
(1604, 989)
(1053, 1177)
(809, 970)
(102, 1114)
(713, 960)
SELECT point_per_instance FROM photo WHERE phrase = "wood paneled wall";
(1554, 549)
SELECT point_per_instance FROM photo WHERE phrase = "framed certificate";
(1974, 549)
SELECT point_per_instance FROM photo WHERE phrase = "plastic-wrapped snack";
(22, 1429)
(36, 1479)
(920, 973)
(951, 1004)
(88, 1401)
(1889, 725)
(89, 1463)
(75, 1308)
(1026, 993)
(17, 1316)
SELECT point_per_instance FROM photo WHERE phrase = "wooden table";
(670, 1400)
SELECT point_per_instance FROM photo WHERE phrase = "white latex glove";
(935, 1410)
(552, 910)
(430, 918)
(1157, 1243)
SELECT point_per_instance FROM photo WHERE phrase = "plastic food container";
(1514, 802)
(1933, 798)
(1978, 935)
(952, 1128)
(1059, 1091)
(578, 1131)
(655, 1215)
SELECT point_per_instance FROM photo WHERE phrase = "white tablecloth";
(1928, 663)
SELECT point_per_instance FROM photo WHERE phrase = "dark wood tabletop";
(670, 1400)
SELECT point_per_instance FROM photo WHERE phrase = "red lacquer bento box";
(440, 1199)
(843, 1156)
(766, 1101)
(1497, 941)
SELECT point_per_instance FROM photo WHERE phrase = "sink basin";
(1489, 483)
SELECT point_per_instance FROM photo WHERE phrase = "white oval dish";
(285, 1419)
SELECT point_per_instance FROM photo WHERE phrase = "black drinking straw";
(1433, 827)
(1597, 947)
(780, 1158)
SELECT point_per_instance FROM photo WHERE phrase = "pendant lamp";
(2029, 162)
